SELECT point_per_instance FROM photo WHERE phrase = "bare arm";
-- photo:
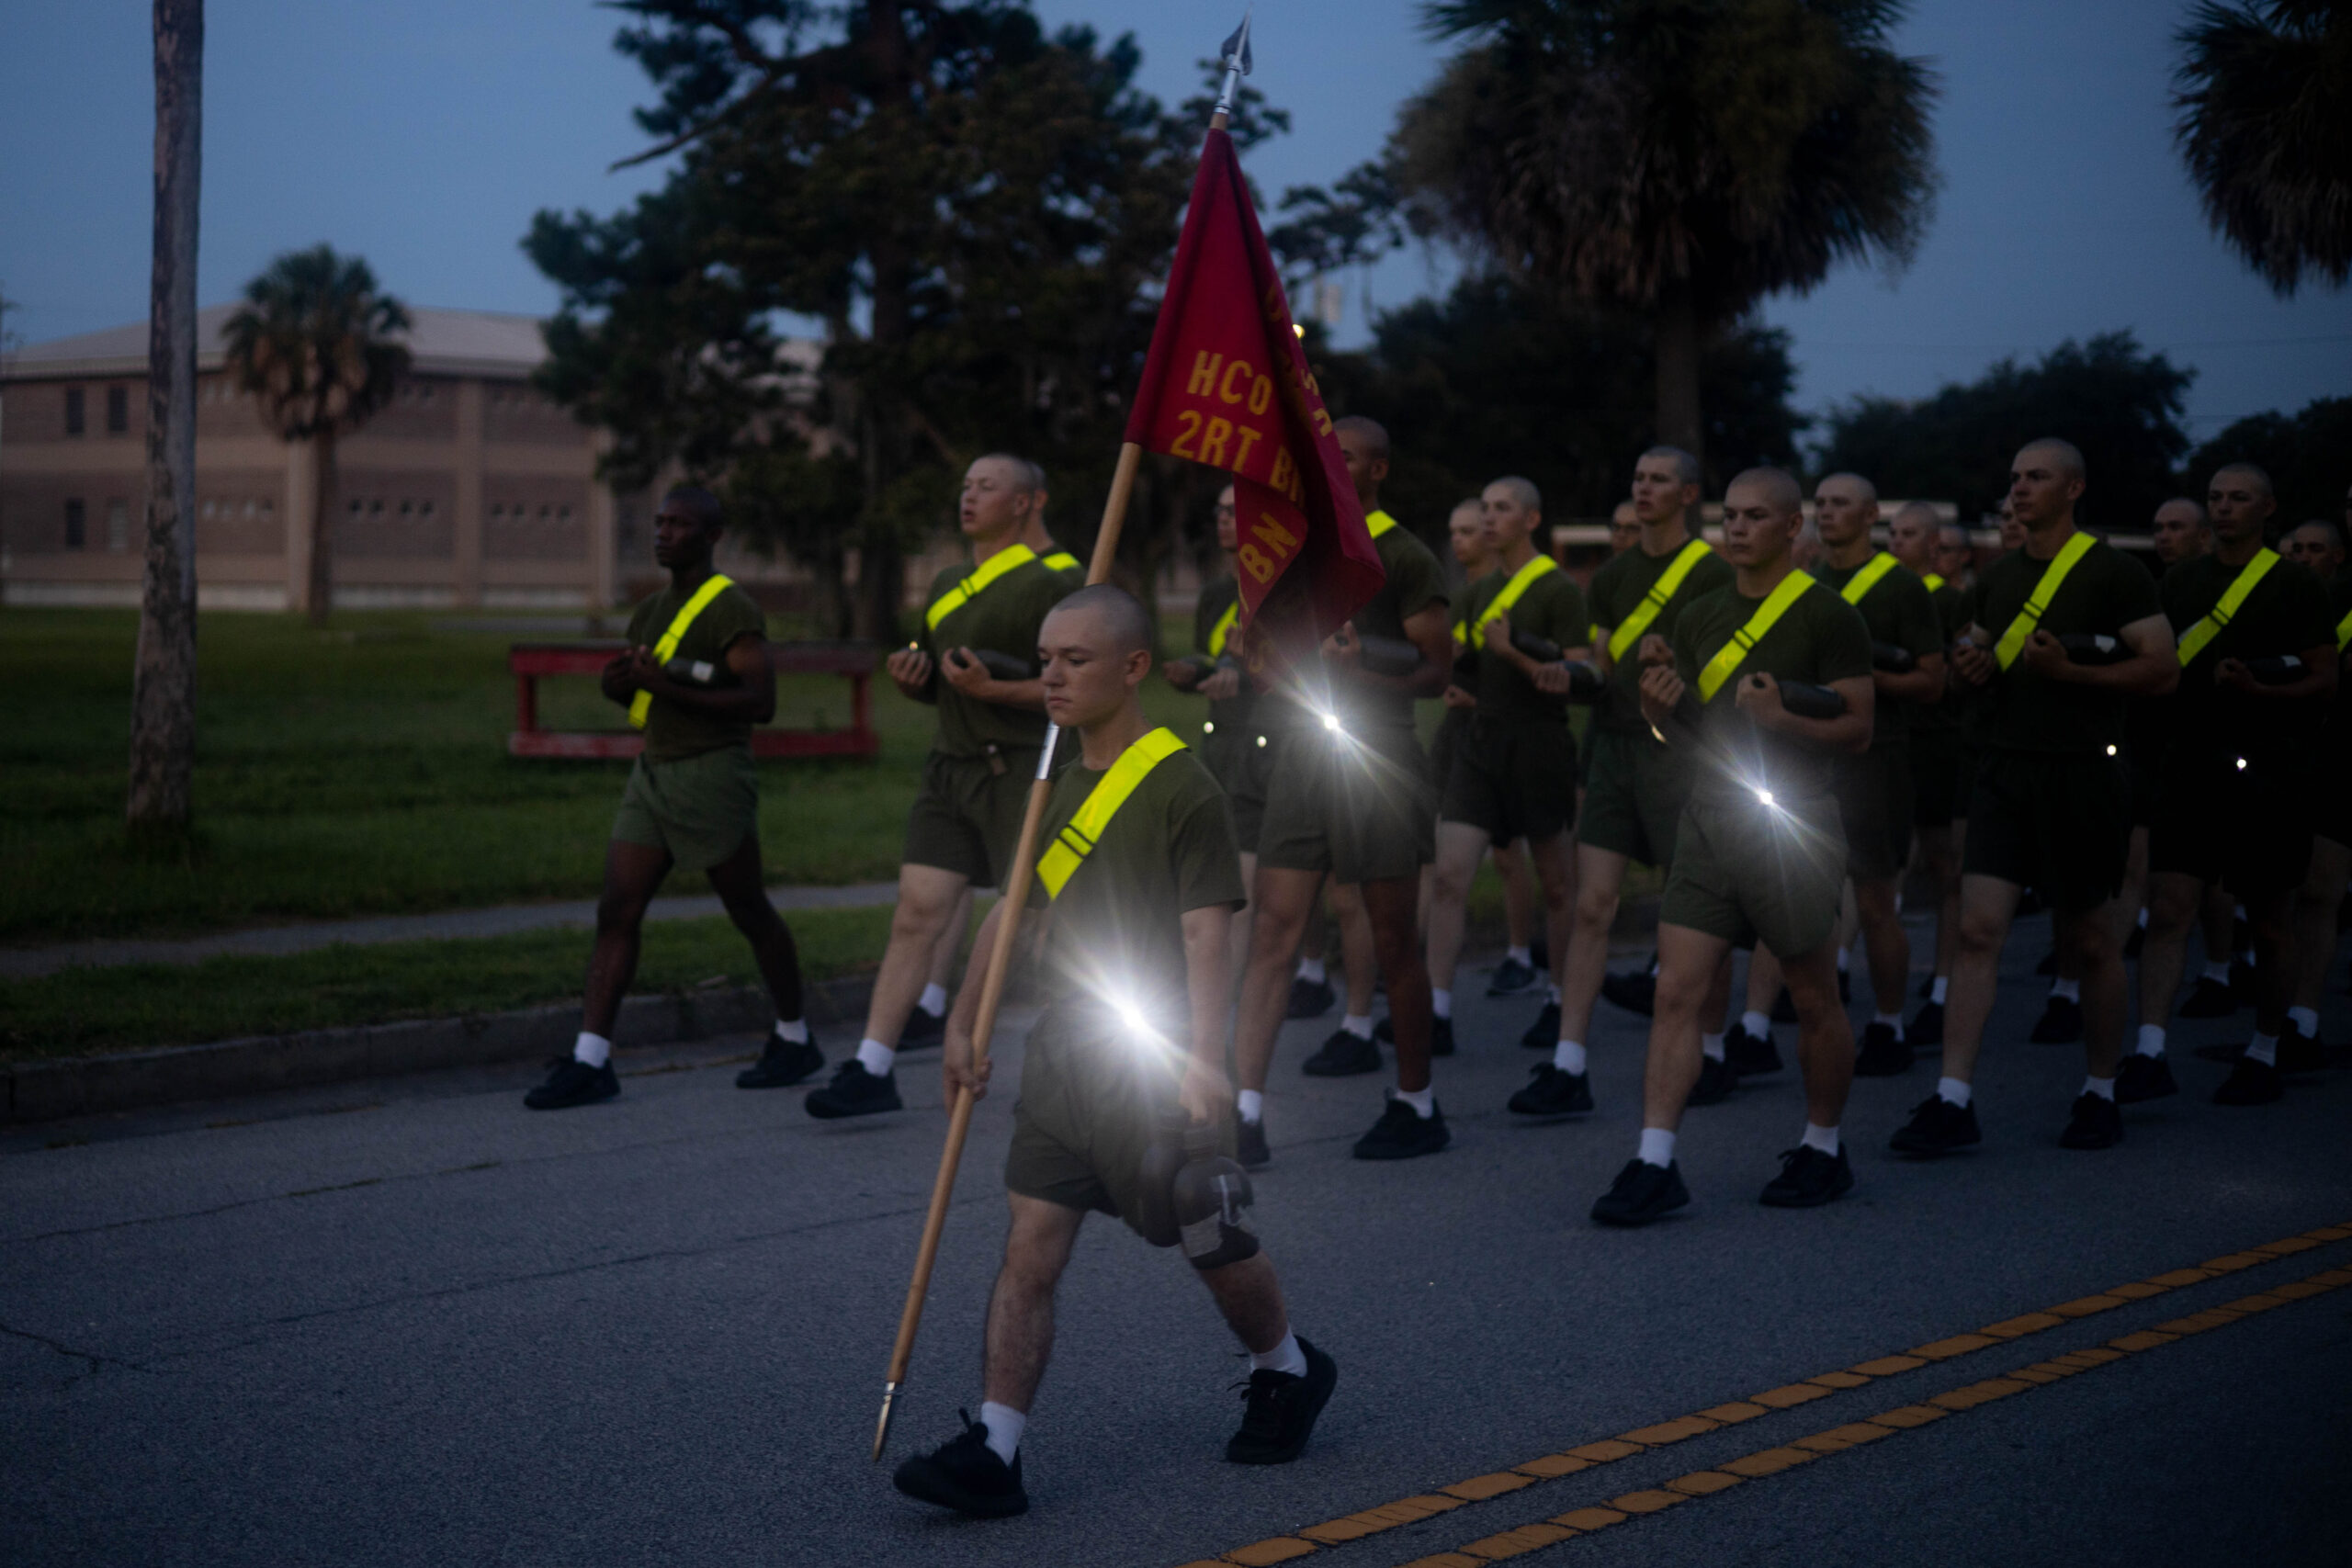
(2318, 679)
(1427, 630)
(751, 701)
(913, 673)
(1208, 981)
(1924, 682)
(2153, 671)
(971, 677)
(1849, 731)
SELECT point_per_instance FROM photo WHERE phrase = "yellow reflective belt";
(1062, 560)
(1729, 657)
(2344, 632)
(1378, 523)
(996, 566)
(1622, 640)
(1865, 580)
(1538, 566)
(641, 706)
(1934, 579)
(2193, 640)
(1074, 843)
(1224, 627)
(2037, 604)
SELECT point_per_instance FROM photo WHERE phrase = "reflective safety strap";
(1062, 560)
(1934, 579)
(1734, 653)
(641, 706)
(1377, 523)
(2037, 604)
(1461, 634)
(996, 566)
(1862, 582)
(2344, 632)
(1623, 641)
(1224, 629)
(2195, 640)
(1538, 566)
(1074, 843)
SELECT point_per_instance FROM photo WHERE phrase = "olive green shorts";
(699, 808)
(1356, 805)
(1749, 873)
(1513, 779)
(2059, 824)
(1241, 762)
(1939, 777)
(1445, 748)
(967, 818)
(1084, 1118)
(1875, 805)
(1633, 793)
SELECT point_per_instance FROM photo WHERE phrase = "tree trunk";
(163, 683)
(1681, 421)
(321, 594)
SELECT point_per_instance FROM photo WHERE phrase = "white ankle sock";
(2070, 989)
(1822, 1138)
(592, 1049)
(1285, 1357)
(1251, 1105)
(2152, 1042)
(1757, 1025)
(2306, 1022)
(1935, 991)
(2103, 1087)
(1311, 971)
(2217, 973)
(2143, 917)
(1005, 1426)
(876, 1057)
(1520, 955)
(935, 1000)
(1568, 1057)
(1422, 1101)
(1952, 1091)
(1658, 1147)
(2263, 1048)
(1844, 960)
(1441, 1004)
(793, 1032)
(1712, 1048)
(1358, 1024)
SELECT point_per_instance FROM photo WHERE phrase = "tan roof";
(464, 343)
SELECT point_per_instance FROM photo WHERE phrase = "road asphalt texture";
(408, 1322)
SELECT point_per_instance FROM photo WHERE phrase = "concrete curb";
(50, 1090)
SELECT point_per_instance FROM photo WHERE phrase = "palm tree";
(314, 341)
(1678, 158)
(2266, 126)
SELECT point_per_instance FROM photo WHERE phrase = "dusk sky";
(422, 135)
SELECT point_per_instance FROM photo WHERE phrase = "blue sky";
(423, 134)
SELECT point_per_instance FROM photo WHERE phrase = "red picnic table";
(529, 660)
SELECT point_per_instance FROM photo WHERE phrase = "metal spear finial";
(1234, 54)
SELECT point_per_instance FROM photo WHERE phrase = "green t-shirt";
(1414, 581)
(2020, 711)
(1229, 714)
(2286, 613)
(1618, 588)
(673, 730)
(2339, 722)
(1004, 616)
(1897, 609)
(1550, 607)
(1952, 619)
(1818, 638)
(1117, 927)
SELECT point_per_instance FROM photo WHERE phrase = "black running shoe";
(2132, 944)
(2210, 998)
(2241, 980)
(2047, 967)
(1278, 1410)
(922, 1028)
(1403, 1133)
(1748, 1056)
(2097, 1123)
(2141, 1078)
(1881, 1055)
(1716, 1080)
(782, 1063)
(1441, 1036)
(1544, 1033)
(1250, 1145)
(1937, 1127)
(1310, 998)
(1635, 993)
(2251, 1083)
(1540, 951)
(570, 1082)
(1927, 988)
(2299, 1053)
(1927, 1025)
(855, 1092)
(965, 1474)
(1784, 1008)
(1384, 1031)
(2060, 1022)
(1511, 976)
(1641, 1193)
(1550, 1092)
(1845, 985)
(1343, 1055)
(1809, 1179)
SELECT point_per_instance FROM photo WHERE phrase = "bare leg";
(744, 891)
(1765, 979)
(1825, 1038)
(1250, 1297)
(2093, 939)
(1718, 996)
(1555, 873)
(1687, 962)
(1519, 898)
(2221, 922)
(2313, 936)
(1948, 911)
(1243, 920)
(1888, 944)
(2163, 953)
(1460, 847)
(2135, 875)
(633, 874)
(927, 898)
(1356, 948)
(1987, 904)
(951, 943)
(1282, 898)
(1600, 874)
(1020, 1310)
(1390, 905)
(2274, 985)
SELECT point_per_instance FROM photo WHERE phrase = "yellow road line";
(1367, 1522)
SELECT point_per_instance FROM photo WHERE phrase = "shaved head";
(696, 503)
(1686, 467)
(1374, 433)
(1917, 513)
(2251, 474)
(1777, 487)
(1853, 485)
(2063, 455)
(1023, 476)
(1120, 613)
(1522, 490)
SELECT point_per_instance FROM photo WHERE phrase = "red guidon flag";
(1226, 385)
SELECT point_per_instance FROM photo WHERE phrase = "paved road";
(411, 1324)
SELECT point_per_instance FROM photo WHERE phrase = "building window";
(118, 525)
(118, 410)
(76, 523)
(72, 411)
